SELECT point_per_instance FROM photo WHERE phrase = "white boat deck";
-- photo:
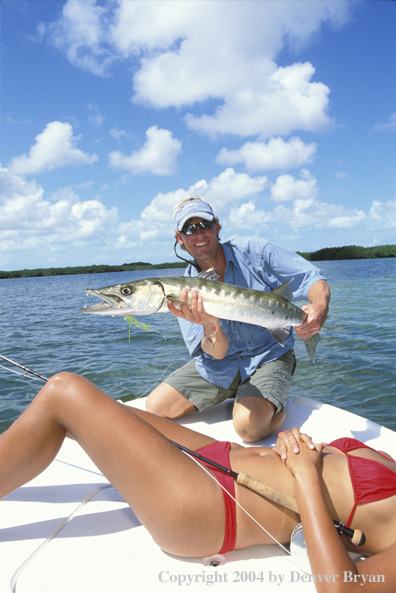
(70, 531)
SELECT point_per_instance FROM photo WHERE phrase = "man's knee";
(251, 432)
(255, 419)
(167, 402)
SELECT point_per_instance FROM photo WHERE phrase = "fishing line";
(23, 375)
(23, 368)
(54, 533)
(36, 376)
(240, 506)
(160, 377)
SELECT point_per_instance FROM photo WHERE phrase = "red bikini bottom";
(220, 453)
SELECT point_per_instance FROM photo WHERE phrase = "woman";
(191, 516)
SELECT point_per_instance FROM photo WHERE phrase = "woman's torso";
(376, 519)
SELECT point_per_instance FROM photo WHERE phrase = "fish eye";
(126, 290)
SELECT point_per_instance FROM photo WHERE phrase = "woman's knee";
(61, 381)
(64, 386)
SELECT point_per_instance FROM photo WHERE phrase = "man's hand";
(316, 311)
(195, 313)
(214, 341)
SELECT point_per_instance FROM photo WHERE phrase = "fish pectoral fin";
(178, 303)
(280, 334)
(284, 290)
(310, 344)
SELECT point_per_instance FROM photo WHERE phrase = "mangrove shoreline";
(326, 254)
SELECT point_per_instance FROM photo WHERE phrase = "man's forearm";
(317, 310)
(319, 294)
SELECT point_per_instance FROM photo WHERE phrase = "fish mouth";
(111, 302)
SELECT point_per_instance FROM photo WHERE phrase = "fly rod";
(357, 537)
(24, 368)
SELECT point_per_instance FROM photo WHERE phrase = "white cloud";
(314, 214)
(248, 217)
(286, 100)
(276, 154)
(228, 188)
(158, 155)
(223, 192)
(55, 147)
(224, 51)
(117, 133)
(96, 117)
(31, 224)
(237, 199)
(287, 187)
(27, 218)
(81, 32)
(389, 126)
(382, 215)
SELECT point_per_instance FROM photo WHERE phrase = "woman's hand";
(289, 441)
(304, 465)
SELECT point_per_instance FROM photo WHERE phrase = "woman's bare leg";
(173, 497)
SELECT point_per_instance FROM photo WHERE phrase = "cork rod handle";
(268, 492)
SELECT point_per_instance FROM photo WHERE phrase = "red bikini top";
(371, 481)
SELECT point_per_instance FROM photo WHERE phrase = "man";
(232, 359)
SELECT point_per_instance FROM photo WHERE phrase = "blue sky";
(281, 114)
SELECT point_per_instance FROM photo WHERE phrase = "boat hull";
(70, 531)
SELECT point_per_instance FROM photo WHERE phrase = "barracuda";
(271, 310)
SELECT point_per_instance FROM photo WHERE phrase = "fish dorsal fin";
(208, 274)
(284, 290)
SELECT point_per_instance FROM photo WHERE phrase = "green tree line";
(328, 253)
(94, 269)
(350, 252)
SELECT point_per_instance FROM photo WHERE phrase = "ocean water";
(41, 327)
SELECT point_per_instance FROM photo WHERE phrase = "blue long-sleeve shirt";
(258, 264)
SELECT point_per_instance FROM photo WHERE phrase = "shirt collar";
(229, 257)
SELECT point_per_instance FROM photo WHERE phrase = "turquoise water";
(41, 328)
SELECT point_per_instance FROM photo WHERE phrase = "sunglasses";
(205, 225)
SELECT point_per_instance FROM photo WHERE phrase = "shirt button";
(242, 357)
(248, 341)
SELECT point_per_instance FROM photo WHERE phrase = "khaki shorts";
(271, 381)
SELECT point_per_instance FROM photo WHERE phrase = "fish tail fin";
(310, 344)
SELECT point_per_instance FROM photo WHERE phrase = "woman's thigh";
(171, 494)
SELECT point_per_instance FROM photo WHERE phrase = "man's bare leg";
(255, 418)
(166, 401)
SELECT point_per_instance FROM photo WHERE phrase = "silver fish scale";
(236, 303)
